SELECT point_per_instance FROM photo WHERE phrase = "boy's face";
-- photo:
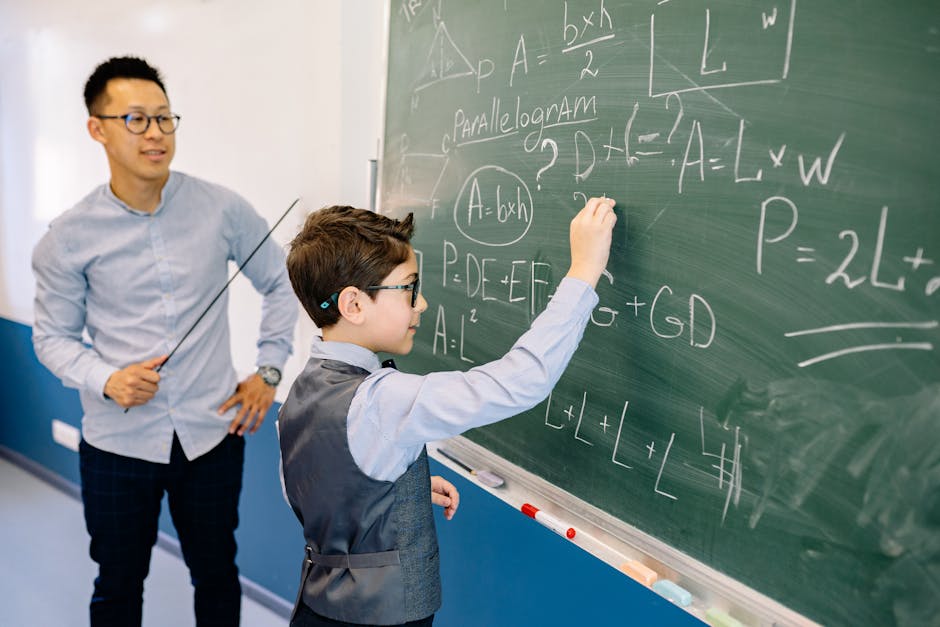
(393, 321)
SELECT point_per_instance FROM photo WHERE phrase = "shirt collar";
(346, 352)
(172, 183)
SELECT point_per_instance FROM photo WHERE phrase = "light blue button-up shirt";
(394, 414)
(136, 282)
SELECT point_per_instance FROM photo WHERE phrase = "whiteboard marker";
(547, 520)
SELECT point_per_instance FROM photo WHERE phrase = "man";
(134, 264)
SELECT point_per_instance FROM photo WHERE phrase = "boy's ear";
(349, 306)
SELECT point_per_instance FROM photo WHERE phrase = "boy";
(353, 433)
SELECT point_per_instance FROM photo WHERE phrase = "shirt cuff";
(272, 356)
(578, 291)
(98, 376)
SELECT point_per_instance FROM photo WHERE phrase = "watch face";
(270, 375)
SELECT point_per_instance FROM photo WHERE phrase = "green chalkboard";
(760, 384)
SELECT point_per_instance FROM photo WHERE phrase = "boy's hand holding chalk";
(591, 233)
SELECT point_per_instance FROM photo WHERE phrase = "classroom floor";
(46, 574)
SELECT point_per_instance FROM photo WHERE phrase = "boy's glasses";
(414, 286)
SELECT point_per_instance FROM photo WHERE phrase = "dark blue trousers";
(122, 498)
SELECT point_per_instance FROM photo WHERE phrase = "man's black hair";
(118, 67)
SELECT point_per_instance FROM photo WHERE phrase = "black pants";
(308, 618)
(122, 506)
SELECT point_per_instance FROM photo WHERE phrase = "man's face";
(134, 158)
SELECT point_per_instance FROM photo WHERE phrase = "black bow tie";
(389, 363)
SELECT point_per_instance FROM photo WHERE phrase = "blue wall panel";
(502, 568)
(30, 398)
(498, 567)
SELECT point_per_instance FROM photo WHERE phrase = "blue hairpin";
(334, 298)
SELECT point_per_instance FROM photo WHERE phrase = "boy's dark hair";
(117, 67)
(343, 246)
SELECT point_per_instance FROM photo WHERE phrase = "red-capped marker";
(547, 520)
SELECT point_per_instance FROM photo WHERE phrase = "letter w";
(769, 20)
(815, 169)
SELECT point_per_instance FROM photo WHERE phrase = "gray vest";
(371, 554)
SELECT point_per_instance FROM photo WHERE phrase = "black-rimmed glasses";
(414, 286)
(138, 123)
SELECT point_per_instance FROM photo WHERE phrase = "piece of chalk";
(719, 618)
(640, 572)
(675, 593)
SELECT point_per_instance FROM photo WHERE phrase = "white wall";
(279, 99)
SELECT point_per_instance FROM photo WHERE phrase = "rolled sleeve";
(267, 272)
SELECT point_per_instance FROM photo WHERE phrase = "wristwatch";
(270, 375)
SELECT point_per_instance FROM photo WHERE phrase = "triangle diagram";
(444, 61)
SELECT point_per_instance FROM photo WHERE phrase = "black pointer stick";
(224, 287)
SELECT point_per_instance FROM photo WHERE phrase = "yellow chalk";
(717, 618)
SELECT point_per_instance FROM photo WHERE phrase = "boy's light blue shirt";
(137, 282)
(394, 414)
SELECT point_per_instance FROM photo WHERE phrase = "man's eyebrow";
(138, 107)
